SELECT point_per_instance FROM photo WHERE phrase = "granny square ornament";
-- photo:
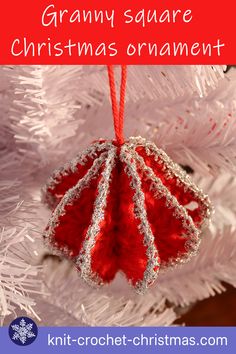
(124, 206)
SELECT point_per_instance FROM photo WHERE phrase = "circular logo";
(23, 331)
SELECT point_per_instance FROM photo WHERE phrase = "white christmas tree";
(50, 113)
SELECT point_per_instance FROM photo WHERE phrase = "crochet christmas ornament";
(124, 206)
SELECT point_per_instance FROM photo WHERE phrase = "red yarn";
(118, 114)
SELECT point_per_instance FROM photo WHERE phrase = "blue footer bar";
(26, 337)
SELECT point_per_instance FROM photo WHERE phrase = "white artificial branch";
(18, 277)
(203, 276)
(50, 113)
(89, 307)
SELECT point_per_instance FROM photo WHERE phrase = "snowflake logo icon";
(23, 331)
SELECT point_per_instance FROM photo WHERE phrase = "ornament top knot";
(125, 208)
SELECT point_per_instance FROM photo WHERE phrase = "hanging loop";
(118, 112)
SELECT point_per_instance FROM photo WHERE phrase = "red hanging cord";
(118, 113)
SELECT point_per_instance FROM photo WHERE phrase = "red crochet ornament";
(124, 207)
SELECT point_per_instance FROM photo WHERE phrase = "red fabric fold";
(67, 179)
(167, 229)
(119, 245)
(74, 222)
(183, 197)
